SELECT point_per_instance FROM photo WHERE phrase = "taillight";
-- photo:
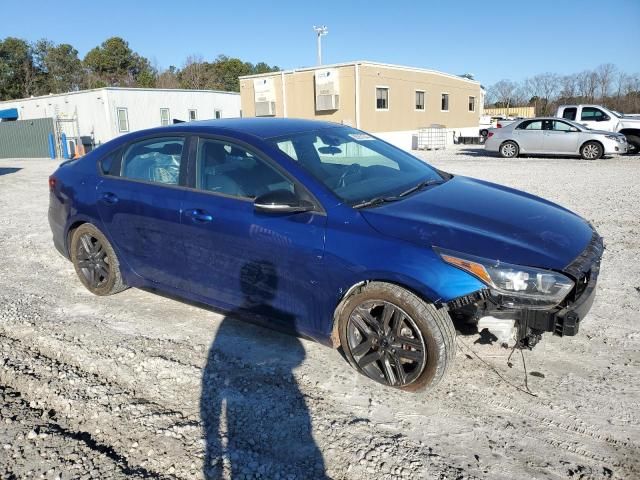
(499, 125)
(490, 134)
(52, 183)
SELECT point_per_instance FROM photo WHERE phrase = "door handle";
(199, 216)
(109, 198)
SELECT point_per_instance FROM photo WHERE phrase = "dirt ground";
(137, 385)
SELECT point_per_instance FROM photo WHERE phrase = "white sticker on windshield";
(361, 136)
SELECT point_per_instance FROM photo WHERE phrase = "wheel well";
(352, 290)
(512, 141)
(72, 229)
(630, 131)
(592, 141)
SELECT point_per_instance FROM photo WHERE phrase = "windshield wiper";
(420, 186)
(380, 200)
(375, 201)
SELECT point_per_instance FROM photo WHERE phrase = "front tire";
(509, 149)
(634, 144)
(95, 261)
(395, 338)
(591, 151)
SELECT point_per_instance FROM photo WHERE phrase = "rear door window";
(570, 113)
(155, 160)
(531, 125)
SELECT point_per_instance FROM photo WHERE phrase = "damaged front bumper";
(562, 320)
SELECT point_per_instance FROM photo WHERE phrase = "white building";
(104, 113)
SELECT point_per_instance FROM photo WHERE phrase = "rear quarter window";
(108, 164)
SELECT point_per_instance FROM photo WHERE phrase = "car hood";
(633, 122)
(604, 132)
(487, 220)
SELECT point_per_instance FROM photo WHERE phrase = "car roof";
(543, 118)
(258, 127)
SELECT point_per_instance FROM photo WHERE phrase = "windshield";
(355, 166)
(617, 114)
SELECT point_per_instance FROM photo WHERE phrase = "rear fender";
(130, 277)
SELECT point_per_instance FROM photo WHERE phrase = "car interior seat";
(215, 172)
(166, 167)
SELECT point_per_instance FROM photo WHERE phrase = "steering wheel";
(352, 169)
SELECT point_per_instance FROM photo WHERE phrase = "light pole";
(320, 32)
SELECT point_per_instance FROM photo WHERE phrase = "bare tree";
(543, 89)
(503, 92)
(632, 94)
(30, 76)
(587, 84)
(168, 78)
(550, 85)
(569, 85)
(194, 73)
(605, 73)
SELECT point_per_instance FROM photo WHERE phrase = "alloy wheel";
(386, 343)
(508, 150)
(591, 151)
(93, 261)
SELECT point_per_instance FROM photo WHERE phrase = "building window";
(164, 117)
(382, 98)
(445, 102)
(218, 114)
(419, 100)
(193, 115)
(123, 120)
(472, 104)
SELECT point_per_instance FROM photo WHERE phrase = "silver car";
(553, 136)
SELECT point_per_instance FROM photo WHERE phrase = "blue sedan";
(327, 232)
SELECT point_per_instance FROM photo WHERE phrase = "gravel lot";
(136, 385)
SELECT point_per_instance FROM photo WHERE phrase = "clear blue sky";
(492, 39)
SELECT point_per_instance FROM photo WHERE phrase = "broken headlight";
(515, 286)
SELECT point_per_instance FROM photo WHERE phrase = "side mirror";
(281, 201)
(572, 130)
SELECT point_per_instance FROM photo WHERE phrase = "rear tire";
(591, 151)
(509, 149)
(394, 337)
(95, 261)
(634, 144)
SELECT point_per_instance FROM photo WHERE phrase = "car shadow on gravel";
(474, 152)
(255, 418)
(8, 170)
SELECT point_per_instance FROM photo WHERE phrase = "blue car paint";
(486, 220)
(312, 258)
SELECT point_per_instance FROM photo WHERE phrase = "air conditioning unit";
(265, 109)
(264, 97)
(327, 89)
(327, 102)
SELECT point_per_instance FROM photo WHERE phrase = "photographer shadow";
(254, 416)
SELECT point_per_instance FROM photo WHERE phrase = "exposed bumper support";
(563, 320)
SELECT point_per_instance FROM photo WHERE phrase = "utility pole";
(320, 32)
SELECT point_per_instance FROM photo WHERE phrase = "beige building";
(392, 101)
(524, 112)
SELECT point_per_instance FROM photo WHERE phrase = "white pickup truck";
(597, 117)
